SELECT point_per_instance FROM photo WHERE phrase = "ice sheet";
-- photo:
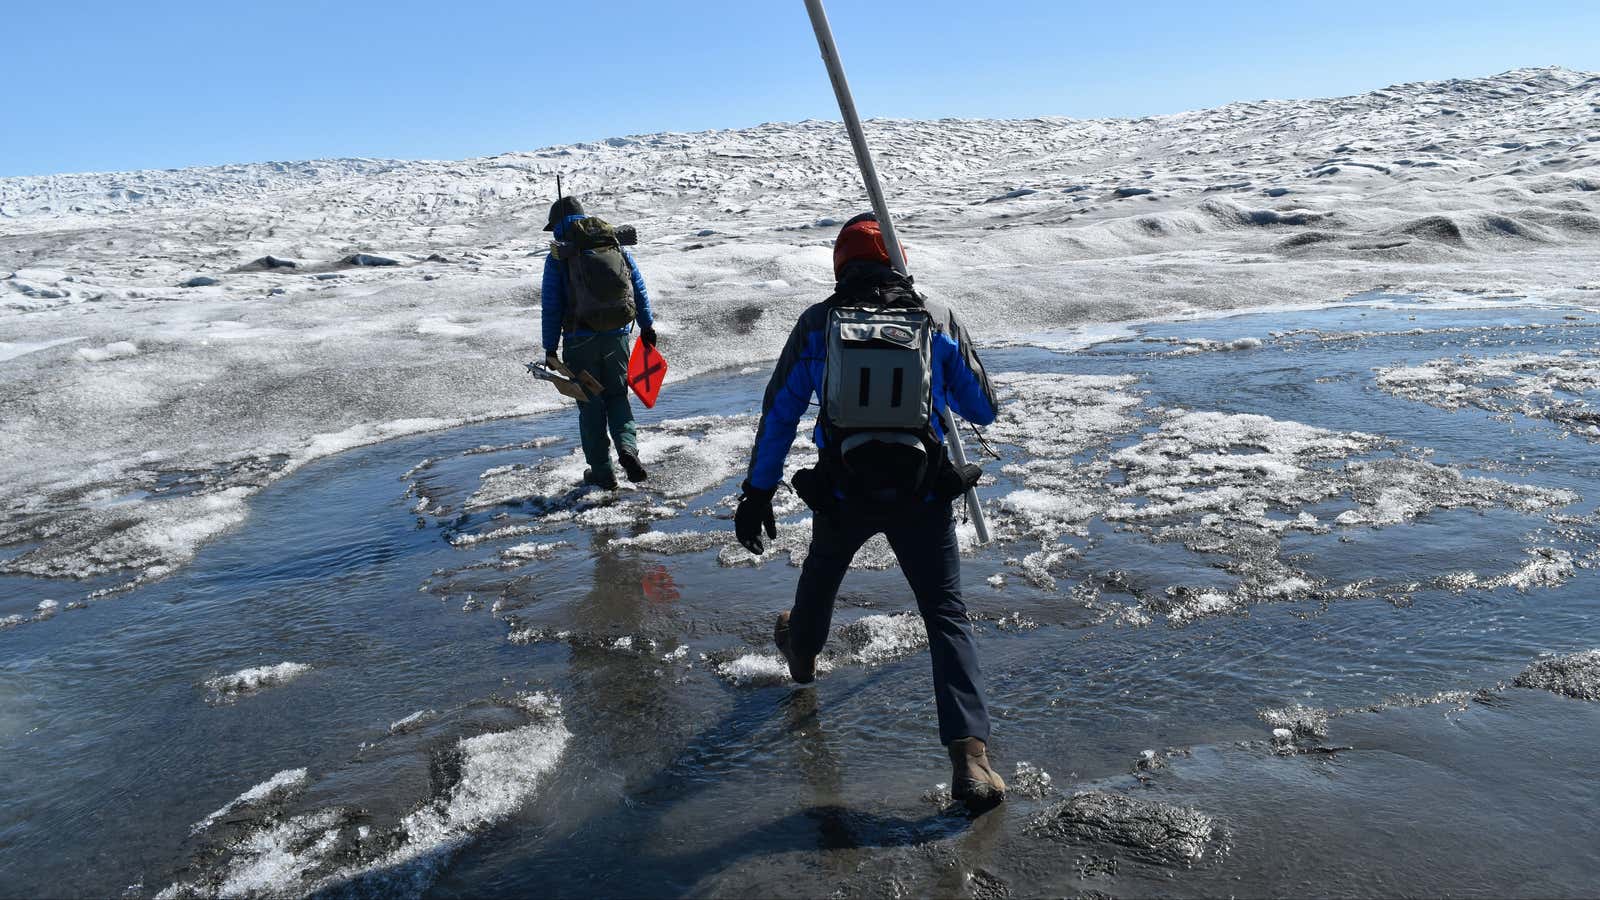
(168, 335)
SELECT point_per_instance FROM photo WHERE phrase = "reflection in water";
(620, 705)
(658, 586)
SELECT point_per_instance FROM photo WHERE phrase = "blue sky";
(94, 86)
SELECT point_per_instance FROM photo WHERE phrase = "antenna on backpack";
(559, 193)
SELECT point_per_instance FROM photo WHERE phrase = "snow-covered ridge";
(170, 341)
(783, 157)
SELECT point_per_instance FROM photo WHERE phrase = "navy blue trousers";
(924, 541)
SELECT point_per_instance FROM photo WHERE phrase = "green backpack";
(599, 280)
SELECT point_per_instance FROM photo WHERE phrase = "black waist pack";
(953, 480)
(814, 491)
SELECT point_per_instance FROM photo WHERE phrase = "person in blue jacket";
(602, 354)
(921, 532)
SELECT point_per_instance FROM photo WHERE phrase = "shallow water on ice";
(433, 665)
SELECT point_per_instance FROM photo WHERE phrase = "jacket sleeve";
(552, 303)
(646, 316)
(967, 385)
(787, 398)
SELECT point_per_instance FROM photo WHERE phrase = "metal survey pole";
(891, 239)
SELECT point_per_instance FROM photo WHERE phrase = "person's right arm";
(552, 304)
(787, 398)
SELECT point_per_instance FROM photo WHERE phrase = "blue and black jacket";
(553, 297)
(959, 381)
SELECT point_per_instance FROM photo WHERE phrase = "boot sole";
(979, 797)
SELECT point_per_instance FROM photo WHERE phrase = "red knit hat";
(861, 238)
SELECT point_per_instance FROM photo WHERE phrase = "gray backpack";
(599, 282)
(878, 399)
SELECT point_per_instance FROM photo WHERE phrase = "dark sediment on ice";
(1155, 831)
(1575, 675)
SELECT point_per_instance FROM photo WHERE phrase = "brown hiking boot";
(803, 671)
(971, 780)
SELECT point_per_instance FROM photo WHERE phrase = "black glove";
(647, 334)
(754, 512)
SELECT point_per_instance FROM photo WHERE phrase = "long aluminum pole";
(891, 239)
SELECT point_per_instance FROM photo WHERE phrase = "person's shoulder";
(943, 316)
(815, 317)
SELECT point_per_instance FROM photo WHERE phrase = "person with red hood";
(884, 363)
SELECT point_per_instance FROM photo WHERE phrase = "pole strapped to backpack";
(891, 239)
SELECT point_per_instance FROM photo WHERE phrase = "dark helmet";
(566, 206)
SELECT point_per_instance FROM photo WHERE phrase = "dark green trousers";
(605, 356)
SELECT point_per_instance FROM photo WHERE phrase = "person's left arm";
(967, 387)
(645, 316)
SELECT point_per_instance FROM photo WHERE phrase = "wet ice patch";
(1185, 604)
(498, 773)
(685, 458)
(532, 551)
(1562, 388)
(1030, 781)
(274, 859)
(536, 635)
(624, 643)
(412, 722)
(757, 670)
(1210, 480)
(1155, 831)
(1221, 461)
(1298, 720)
(1043, 509)
(276, 788)
(43, 610)
(624, 513)
(1391, 491)
(869, 640)
(1575, 675)
(505, 532)
(674, 542)
(881, 638)
(490, 776)
(153, 536)
(688, 457)
(1546, 567)
(250, 681)
(1233, 485)
(1051, 414)
(1188, 346)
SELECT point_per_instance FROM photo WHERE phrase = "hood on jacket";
(866, 279)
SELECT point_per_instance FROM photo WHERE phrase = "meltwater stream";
(1265, 590)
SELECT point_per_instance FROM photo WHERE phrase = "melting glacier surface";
(1275, 602)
